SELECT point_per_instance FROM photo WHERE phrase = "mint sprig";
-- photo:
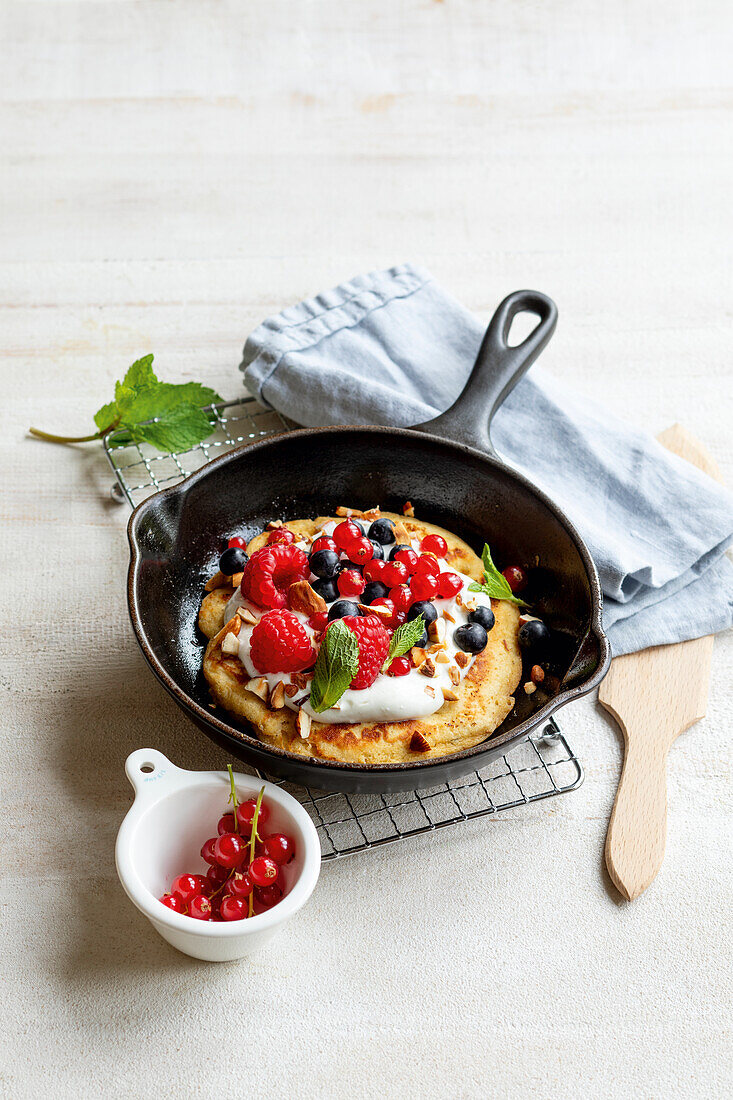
(404, 638)
(175, 412)
(336, 666)
(495, 583)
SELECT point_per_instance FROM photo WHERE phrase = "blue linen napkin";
(392, 347)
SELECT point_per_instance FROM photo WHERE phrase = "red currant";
(279, 848)
(350, 582)
(346, 532)
(207, 852)
(263, 871)
(240, 885)
(424, 587)
(282, 536)
(246, 813)
(324, 542)
(268, 896)
(229, 849)
(233, 908)
(318, 621)
(394, 573)
(199, 907)
(238, 542)
(434, 544)
(515, 577)
(360, 551)
(408, 559)
(426, 563)
(173, 901)
(384, 601)
(449, 585)
(373, 570)
(186, 887)
(217, 876)
(401, 597)
(226, 824)
(400, 666)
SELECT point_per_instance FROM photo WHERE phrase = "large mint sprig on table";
(336, 666)
(495, 583)
(179, 419)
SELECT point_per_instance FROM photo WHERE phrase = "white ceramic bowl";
(174, 812)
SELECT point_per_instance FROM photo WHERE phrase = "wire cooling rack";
(541, 767)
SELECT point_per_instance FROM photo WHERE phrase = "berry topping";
(233, 908)
(373, 642)
(324, 542)
(434, 544)
(282, 536)
(326, 588)
(394, 573)
(318, 621)
(373, 570)
(342, 608)
(428, 611)
(400, 666)
(449, 585)
(389, 620)
(263, 871)
(401, 597)
(346, 532)
(229, 849)
(426, 563)
(173, 901)
(350, 582)
(484, 616)
(226, 824)
(398, 549)
(269, 573)
(279, 848)
(408, 558)
(324, 563)
(360, 551)
(373, 591)
(515, 577)
(280, 643)
(199, 907)
(533, 635)
(471, 638)
(382, 530)
(424, 586)
(238, 541)
(377, 550)
(232, 561)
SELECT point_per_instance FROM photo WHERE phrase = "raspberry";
(280, 643)
(269, 573)
(373, 642)
(281, 535)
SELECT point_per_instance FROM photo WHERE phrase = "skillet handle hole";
(523, 325)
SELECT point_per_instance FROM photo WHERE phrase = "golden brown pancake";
(485, 695)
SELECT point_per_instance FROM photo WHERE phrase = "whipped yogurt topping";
(390, 698)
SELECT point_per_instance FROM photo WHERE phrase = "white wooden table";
(173, 173)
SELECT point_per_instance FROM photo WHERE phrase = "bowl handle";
(149, 771)
(495, 373)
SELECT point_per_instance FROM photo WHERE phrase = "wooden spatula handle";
(638, 827)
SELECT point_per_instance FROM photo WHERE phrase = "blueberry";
(484, 616)
(233, 560)
(425, 608)
(422, 640)
(373, 591)
(378, 554)
(383, 531)
(533, 635)
(359, 525)
(396, 548)
(341, 608)
(324, 563)
(471, 638)
(327, 588)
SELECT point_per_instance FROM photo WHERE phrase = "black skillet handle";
(496, 371)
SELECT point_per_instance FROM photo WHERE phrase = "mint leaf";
(140, 374)
(495, 583)
(106, 416)
(336, 666)
(162, 398)
(177, 429)
(404, 638)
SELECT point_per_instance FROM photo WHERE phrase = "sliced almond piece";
(442, 657)
(217, 581)
(277, 696)
(469, 604)
(430, 690)
(427, 668)
(258, 686)
(455, 676)
(529, 687)
(230, 645)
(342, 510)
(459, 600)
(436, 630)
(407, 509)
(303, 598)
(401, 533)
(291, 690)
(234, 625)
(303, 723)
(450, 695)
(379, 610)
(274, 524)
(419, 743)
(418, 655)
(236, 579)
(300, 680)
(462, 658)
(247, 616)
(447, 615)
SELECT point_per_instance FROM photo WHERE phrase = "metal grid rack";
(540, 767)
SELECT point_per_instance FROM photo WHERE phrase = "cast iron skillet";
(451, 473)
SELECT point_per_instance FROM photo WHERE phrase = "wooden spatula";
(654, 696)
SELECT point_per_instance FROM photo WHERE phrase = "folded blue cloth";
(393, 347)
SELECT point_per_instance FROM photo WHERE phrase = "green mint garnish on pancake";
(336, 666)
(495, 584)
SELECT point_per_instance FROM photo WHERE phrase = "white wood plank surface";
(173, 172)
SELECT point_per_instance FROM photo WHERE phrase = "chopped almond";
(418, 655)
(234, 625)
(291, 690)
(427, 668)
(236, 579)
(277, 696)
(462, 658)
(436, 630)
(449, 695)
(230, 645)
(430, 690)
(469, 604)
(258, 686)
(380, 610)
(455, 676)
(246, 616)
(217, 581)
(303, 723)
(342, 510)
(529, 687)
(442, 657)
(447, 615)
(407, 509)
(419, 743)
(459, 600)
(401, 533)
(274, 524)
(303, 598)
(300, 680)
